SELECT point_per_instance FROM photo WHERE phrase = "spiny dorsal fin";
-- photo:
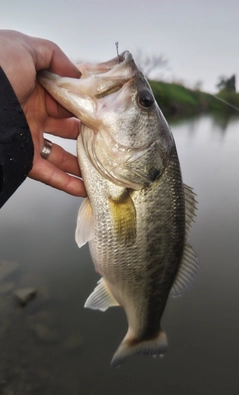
(190, 207)
(84, 227)
(101, 298)
(188, 272)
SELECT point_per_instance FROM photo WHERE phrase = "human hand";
(21, 56)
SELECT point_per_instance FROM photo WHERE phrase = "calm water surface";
(55, 346)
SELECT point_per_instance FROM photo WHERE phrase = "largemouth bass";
(138, 212)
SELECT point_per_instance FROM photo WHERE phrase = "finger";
(47, 173)
(64, 160)
(55, 109)
(65, 128)
(47, 55)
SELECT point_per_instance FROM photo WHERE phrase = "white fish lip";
(116, 63)
(125, 57)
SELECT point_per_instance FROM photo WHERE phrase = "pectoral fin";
(124, 218)
(84, 228)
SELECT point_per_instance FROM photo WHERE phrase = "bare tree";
(150, 65)
(228, 84)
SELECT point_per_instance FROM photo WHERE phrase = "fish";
(138, 212)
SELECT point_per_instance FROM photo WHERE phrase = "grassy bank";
(176, 99)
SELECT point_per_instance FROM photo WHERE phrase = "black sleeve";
(16, 146)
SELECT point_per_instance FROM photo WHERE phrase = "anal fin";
(101, 298)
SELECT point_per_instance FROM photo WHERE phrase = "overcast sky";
(199, 38)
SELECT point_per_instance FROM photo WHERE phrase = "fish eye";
(146, 99)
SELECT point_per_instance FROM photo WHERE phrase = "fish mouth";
(80, 96)
(110, 76)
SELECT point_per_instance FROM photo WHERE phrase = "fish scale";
(144, 257)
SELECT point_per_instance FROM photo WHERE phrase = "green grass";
(176, 99)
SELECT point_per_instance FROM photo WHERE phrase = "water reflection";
(54, 345)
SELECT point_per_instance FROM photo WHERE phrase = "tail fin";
(156, 346)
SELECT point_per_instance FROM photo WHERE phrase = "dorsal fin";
(84, 227)
(190, 207)
(188, 272)
(189, 268)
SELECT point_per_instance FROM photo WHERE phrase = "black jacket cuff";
(16, 145)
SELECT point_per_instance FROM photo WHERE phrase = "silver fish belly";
(138, 212)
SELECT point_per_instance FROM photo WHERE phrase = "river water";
(55, 346)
